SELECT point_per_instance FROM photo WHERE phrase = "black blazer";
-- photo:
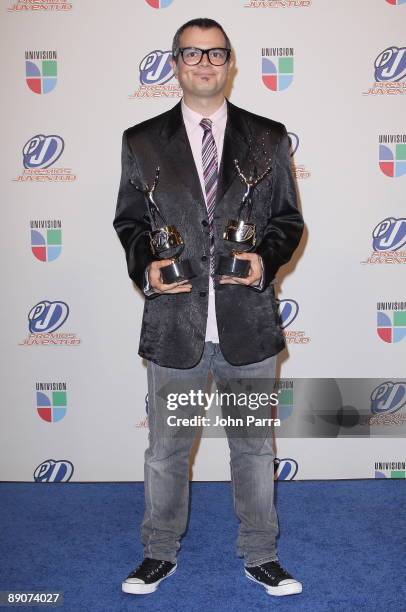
(174, 325)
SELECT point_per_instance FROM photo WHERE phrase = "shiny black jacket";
(174, 325)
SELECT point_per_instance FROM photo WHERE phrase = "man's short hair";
(203, 23)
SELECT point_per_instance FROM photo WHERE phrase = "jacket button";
(202, 293)
(205, 223)
(204, 258)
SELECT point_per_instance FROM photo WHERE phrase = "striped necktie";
(209, 162)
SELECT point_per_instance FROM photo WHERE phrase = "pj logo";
(389, 234)
(155, 68)
(42, 151)
(44, 319)
(388, 397)
(155, 74)
(288, 311)
(54, 471)
(285, 469)
(47, 317)
(390, 65)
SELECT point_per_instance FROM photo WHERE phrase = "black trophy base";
(232, 266)
(176, 272)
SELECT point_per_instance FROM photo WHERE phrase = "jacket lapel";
(179, 154)
(236, 146)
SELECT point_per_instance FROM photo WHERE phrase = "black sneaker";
(147, 576)
(274, 578)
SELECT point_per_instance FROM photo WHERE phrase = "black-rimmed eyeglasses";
(192, 56)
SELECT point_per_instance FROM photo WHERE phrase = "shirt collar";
(193, 119)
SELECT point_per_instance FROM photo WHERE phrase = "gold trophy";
(166, 241)
(240, 233)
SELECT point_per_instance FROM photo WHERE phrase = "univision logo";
(388, 397)
(46, 245)
(41, 75)
(285, 469)
(159, 4)
(392, 154)
(285, 399)
(52, 470)
(391, 327)
(277, 73)
(51, 406)
(390, 469)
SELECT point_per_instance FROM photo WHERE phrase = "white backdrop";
(97, 427)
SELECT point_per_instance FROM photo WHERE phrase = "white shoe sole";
(291, 588)
(137, 588)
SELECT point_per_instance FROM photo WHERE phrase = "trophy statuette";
(166, 241)
(240, 233)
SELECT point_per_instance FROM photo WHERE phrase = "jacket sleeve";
(131, 220)
(285, 223)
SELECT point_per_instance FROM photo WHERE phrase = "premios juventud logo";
(41, 156)
(388, 242)
(387, 404)
(300, 171)
(53, 470)
(277, 4)
(389, 72)
(288, 312)
(40, 6)
(156, 78)
(44, 322)
(285, 469)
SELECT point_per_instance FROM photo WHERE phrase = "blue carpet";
(345, 540)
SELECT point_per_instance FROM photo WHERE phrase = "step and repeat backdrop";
(76, 74)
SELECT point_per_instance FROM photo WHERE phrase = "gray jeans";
(166, 467)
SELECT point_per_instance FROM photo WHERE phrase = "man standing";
(225, 325)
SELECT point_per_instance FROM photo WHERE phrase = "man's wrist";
(148, 290)
(260, 284)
